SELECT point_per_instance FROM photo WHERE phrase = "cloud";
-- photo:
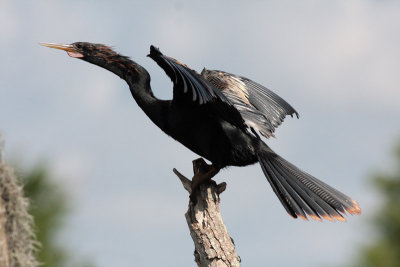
(139, 210)
(181, 33)
(98, 91)
(9, 23)
(74, 168)
(337, 53)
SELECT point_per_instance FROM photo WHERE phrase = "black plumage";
(261, 109)
(217, 115)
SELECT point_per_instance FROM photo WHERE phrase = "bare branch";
(213, 245)
(187, 184)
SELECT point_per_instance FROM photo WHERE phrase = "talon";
(200, 166)
(202, 177)
(203, 172)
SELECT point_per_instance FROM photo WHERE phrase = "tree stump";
(213, 245)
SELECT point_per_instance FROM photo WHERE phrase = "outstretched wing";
(261, 109)
(191, 88)
(188, 84)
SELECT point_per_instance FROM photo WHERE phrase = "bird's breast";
(211, 137)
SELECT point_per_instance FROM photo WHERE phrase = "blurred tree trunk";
(4, 255)
(17, 240)
(213, 245)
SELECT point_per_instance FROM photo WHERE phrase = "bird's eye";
(79, 46)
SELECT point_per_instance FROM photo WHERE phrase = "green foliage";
(385, 250)
(48, 207)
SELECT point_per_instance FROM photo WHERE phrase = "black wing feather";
(260, 108)
(187, 82)
(261, 92)
(193, 89)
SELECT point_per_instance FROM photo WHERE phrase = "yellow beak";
(65, 47)
(70, 49)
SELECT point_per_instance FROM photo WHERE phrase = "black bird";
(218, 115)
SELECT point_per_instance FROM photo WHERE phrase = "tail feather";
(317, 202)
(282, 191)
(328, 193)
(303, 195)
(314, 209)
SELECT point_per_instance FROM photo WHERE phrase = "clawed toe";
(203, 173)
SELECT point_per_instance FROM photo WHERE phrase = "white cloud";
(181, 33)
(141, 210)
(341, 53)
(98, 92)
(74, 168)
(9, 23)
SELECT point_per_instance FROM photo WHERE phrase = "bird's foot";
(203, 172)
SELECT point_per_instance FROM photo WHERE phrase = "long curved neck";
(138, 80)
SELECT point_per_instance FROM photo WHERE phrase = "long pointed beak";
(65, 47)
(71, 50)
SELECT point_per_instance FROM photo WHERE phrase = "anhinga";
(217, 115)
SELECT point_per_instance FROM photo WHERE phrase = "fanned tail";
(303, 195)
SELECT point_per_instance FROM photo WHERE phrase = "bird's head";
(103, 56)
(83, 50)
(100, 55)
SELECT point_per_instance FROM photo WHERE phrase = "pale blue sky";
(336, 62)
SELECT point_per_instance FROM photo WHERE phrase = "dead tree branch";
(213, 245)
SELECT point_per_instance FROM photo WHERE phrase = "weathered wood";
(213, 245)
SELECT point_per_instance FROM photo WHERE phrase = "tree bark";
(213, 245)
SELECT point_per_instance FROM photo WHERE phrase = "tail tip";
(315, 217)
(354, 208)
